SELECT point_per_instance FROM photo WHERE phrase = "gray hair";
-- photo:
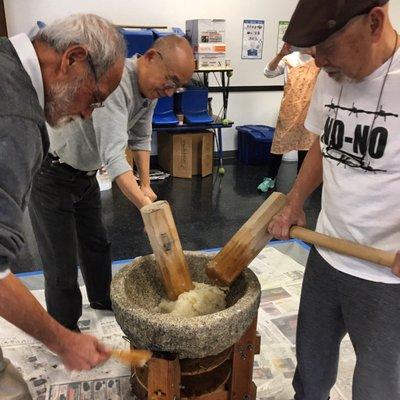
(102, 40)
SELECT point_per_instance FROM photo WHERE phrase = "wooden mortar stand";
(225, 376)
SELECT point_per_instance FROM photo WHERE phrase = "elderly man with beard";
(356, 113)
(65, 205)
(69, 68)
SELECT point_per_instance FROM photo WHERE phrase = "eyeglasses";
(351, 160)
(172, 82)
(95, 104)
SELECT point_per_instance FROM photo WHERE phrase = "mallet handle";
(342, 246)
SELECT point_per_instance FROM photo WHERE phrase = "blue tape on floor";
(298, 241)
(32, 273)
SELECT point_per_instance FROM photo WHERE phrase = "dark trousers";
(333, 304)
(275, 161)
(65, 209)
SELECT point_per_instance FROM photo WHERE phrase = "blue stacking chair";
(164, 112)
(161, 33)
(194, 103)
(137, 41)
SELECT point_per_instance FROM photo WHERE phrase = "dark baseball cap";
(314, 21)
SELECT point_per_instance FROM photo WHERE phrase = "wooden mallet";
(252, 237)
(164, 240)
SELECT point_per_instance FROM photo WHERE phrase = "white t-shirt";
(359, 205)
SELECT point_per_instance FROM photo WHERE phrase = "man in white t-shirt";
(356, 112)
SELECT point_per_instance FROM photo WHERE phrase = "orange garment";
(290, 133)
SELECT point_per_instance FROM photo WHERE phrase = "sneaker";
(272, 184)
(266, 184)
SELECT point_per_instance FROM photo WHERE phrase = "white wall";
(395, 13)
(244, 108)
(23, 14)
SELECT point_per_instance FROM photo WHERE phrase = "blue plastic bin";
(254, 143)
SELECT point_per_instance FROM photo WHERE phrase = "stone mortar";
(137, 289)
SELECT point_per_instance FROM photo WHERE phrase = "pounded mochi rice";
(203, 299)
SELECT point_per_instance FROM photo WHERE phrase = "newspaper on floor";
(46, 376)
(108, 388)
(155, 175)
(281, 279)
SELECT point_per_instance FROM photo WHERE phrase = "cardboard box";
(205, 31)
(185, 155)
(209, 48)
(210, 61)
(202, 153)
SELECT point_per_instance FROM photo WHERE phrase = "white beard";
(61, 122)
(60, 97)
(338, 76)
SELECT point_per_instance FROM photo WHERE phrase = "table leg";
(224, 95)
(221, 169)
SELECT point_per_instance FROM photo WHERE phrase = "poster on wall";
(283, 25)
(253, 39)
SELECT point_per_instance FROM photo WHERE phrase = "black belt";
(56, 160)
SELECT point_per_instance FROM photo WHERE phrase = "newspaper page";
(109, 388)
(46, 376)
(281, 280)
